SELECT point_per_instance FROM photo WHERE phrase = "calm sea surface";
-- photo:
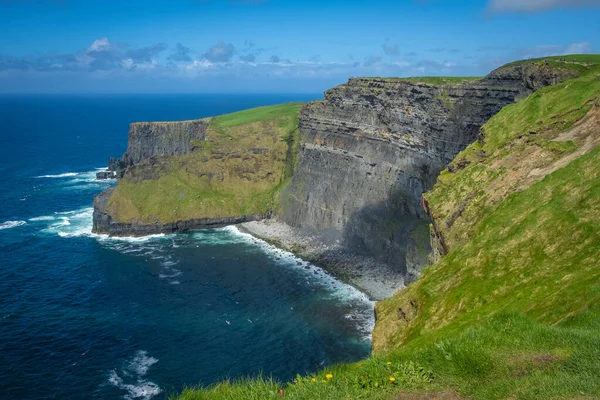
(86, 316)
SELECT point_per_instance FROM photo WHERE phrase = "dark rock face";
(148, 139)
(104, 223)
(102, 175)
(374, 146)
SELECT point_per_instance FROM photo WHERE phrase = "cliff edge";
(342, 178)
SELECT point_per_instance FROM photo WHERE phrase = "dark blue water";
(85, 316)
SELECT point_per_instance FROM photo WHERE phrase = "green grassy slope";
(513, 310)
(236, 171)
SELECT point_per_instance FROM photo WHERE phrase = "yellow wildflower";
(324, 381)
(313, 379)
(328, 376)
(389, 363)
(392, 379)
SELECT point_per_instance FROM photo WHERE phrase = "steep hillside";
(511, 309)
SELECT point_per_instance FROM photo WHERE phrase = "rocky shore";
(378, 280)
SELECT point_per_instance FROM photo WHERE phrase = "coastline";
(373, 278)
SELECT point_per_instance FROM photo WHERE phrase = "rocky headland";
(338, 181)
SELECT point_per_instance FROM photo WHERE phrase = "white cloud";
(579, 48)
(503, 6)
(127, 64)
(98, 44)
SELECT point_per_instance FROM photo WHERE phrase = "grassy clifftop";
(235, 171)
(512, 307)
(518, 294)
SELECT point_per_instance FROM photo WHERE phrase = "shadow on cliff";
(394, 232)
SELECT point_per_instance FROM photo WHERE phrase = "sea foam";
(11, 224)
(65, 175)
(363, 315)
(135, 369)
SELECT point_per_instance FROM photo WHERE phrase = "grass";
(513, 310)
(578, 63)
(257, 114)
(238, 170)
(513, 143)
(577, 58)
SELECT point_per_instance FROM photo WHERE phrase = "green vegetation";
(578, 63)
(238, 170)
(572, 58)
(513, 310)
(257, 114)
(524, 137)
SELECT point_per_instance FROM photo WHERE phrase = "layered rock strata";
(367, 153)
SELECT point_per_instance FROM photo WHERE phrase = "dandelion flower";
(313, 380)
(392, 379)
(328, 376)
(389, 363)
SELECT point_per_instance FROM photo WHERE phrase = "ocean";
(88, 316)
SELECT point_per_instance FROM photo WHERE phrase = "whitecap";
(142, 389)
(141, 363)
(65, 175)
(11, 224)
(75, 223)
(174, 274)
(43, 218)
(134, 370)
(137, 239)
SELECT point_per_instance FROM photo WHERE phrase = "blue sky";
(274, 45)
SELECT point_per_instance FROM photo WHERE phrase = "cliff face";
(372, 148)
(199, 174)
(514, 222)
(148, 139)
(361, 160)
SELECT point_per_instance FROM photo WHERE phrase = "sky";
(274, 46)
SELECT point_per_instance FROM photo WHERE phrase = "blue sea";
(88, 316)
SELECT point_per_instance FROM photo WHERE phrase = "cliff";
(346, 180)
(148, 139)
(198, 174)
(515, 221)
(373, 146)
(511, 307)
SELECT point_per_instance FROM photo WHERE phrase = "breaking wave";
(130, 378)
(362, 307)
(11, 224)
(65, 175)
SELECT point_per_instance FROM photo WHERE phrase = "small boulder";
(105, 175)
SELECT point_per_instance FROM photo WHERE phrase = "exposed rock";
(148, 139)
(367, 153)
(102, 175)
(373, 146)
